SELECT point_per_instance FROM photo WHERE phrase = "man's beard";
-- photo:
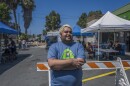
(67, 41)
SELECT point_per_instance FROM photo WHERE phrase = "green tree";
(28, 7)
(13, 4)
(82, 20)
(4, 13)
(23, 36)
(39, 37)
(94, 15)
(52, 21)
(44, 32)
(33, 35)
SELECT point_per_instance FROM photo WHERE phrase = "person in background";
(90, 50)
(110, 44)
(117, 46)
(65, 60)
(111, 54)
(128, 43)
(13, 49)
(20, 44)
(6, 42)
(23, 44)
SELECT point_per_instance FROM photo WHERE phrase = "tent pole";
(98, 43)
(1, 41)
(114, 36)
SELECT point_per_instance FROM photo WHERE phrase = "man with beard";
(65, 59)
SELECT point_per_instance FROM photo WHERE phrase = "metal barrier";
(120, 78)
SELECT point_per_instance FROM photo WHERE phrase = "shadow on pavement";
(6, 66)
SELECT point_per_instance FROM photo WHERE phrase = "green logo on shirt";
(67, 54)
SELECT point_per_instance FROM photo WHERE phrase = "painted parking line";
(99, 76)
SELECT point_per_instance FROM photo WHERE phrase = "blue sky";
(69, 10)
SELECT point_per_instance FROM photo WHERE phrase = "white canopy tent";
(109, 23)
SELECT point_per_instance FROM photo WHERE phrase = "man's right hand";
(77, 63)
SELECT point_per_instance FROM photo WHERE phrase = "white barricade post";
(121, 78)
(43, 66)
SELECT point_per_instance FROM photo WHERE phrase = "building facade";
(124, 12)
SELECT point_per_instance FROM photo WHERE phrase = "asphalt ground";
(23, 72)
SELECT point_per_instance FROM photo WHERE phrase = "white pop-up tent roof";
(109, 23)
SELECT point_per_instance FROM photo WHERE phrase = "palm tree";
(28, 6)
(13, 4)
(4, 13)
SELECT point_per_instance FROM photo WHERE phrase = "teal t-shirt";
(63, 51)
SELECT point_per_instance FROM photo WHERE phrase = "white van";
(52, 37)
